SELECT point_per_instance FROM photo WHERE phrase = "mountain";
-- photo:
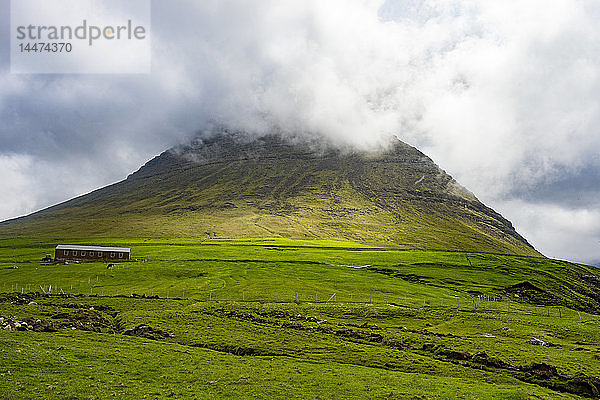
(235, 185)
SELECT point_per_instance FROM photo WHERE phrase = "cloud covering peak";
(503, 95)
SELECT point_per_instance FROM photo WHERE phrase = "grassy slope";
(238, 331)
(400, 199)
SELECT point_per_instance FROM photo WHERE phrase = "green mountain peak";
(238, 185)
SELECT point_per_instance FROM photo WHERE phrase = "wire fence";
(483, 304)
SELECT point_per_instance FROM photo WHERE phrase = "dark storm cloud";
(507, 105)
(572, 189)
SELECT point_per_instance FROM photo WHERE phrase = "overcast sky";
(503, 95)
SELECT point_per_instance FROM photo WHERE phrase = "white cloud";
(18, 185)
(503, 95)
(572, 234)
(28, 182)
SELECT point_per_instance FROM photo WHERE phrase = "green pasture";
(283, 270)
(277, 318)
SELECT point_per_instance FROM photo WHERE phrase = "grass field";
(277, 318)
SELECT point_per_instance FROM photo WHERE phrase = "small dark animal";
(110, 266)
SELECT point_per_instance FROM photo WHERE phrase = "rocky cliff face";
(240, 186)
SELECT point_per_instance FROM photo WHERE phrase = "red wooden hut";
(91, 253)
